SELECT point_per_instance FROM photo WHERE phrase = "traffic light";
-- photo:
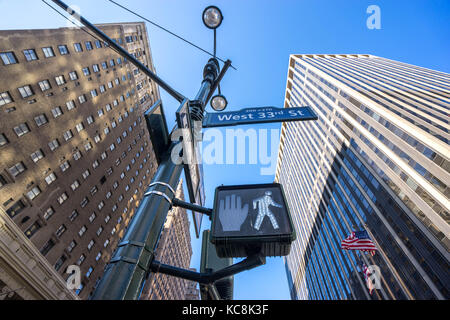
(251, 219)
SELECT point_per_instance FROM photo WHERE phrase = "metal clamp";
(160, 194)
(163, 184)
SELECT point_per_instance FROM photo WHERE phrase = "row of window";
(9, 57)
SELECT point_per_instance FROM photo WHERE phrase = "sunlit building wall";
(75, 153)
(376, 159)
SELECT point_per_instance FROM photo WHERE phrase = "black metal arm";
(178, 96)
(208, 278)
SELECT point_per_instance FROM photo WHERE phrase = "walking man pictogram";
(263, 210)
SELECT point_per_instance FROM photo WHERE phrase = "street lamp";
(219, 102)
(212, 17)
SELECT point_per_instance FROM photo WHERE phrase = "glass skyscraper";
(377, 159)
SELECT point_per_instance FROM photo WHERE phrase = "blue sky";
(258, 36)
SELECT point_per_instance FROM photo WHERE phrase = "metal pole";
(126, 272)
(178, 96)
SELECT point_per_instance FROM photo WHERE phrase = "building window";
(75, 185)
(56, 112)
(90, 245)
(37, 155)
(26, 91)
(80, 261)
(88, 146)
(21, 129)
(85, 174)
(84, 202)
(30, 54)
(106, 243)
(104, 65)
(92, 217)
(95, 68)
(64, 166)
(60, 80)
(71, 246)
(63, 197)
(95, 164)
(48, 52)
(100, 112)
(63, 49)
(77, 155)
(73, 215)
(53, 144)
(73, 75)
(70, 105)
(50, 178)
(78, 47)
(88, 45)
(3, 139)
(94, 93)
(99, 231)
(101, 205)
(49, 213)
(33, 193)
(98, 44)
(40, 120)
(107, 218)
(3, 181)
(60, 262)
(16, 208)
(60, 231)
(8, 58)
(94, 190)
(86, 71)
(68, 135)
(47, 247)
(104, 155)
(82, 231)
(108, 107)
(102, 88)
(79, 126)
(82, 98)
(88, 273)
(106, 130)
(44, 85)
(99, 255)
(17, 169)
(111, 63)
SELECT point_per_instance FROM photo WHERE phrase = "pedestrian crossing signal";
(251, 219)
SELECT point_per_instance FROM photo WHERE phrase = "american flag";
(359, 240)
(369, 282)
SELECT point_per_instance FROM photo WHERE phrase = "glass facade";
(376, 159)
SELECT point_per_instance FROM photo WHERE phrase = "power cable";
(164, 29)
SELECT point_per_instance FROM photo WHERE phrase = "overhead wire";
(168, 31)
(82, 28)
